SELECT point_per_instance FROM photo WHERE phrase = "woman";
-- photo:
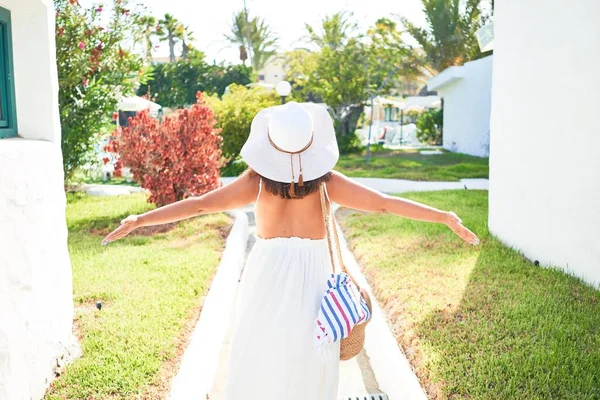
(290, 152)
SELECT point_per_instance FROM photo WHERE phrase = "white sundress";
(272, 355)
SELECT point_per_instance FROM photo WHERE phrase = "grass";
(151, 288)
(479, 323)
(410, 164)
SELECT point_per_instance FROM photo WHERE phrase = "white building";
(36, 307)
(545, 133)
(466, 91)
(273, 72)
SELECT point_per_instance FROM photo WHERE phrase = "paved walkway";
(402, 185)
(381, 184)
(110, 190)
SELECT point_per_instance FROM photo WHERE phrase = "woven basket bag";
(354, 343)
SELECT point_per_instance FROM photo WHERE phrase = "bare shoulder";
(242, 191)
(244, 186)
(337, 184)
(349, 193)
(337, 180)
(248, 182)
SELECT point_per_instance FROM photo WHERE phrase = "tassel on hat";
(292, 190)
(300, 179)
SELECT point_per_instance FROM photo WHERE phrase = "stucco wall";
(467, 104)
(36, 306)
(545, 134)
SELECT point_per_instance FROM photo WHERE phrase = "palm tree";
(254, 36)
(450, 36)
(239, 34)
(148, 24)
(263, 43)
(171, 30)
(186, 38)
(334, 32)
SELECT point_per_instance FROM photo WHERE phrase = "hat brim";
(317, 160)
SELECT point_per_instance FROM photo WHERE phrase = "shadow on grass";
(519, 332)
(478, 323)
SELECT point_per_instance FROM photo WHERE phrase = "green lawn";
(478, 323)
(410, 164)
(151, 288)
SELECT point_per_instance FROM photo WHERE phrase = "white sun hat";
(291, 143)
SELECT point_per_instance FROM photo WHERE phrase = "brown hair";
(282, 189)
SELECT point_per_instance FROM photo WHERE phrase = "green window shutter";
(8, 115)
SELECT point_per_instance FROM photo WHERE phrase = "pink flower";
(99, 9)
(127, 13)
(85, 82)
(81, 45)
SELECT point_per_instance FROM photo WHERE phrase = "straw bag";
(356, 300)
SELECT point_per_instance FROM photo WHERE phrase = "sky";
(209, 20)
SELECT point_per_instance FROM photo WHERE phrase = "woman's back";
(277, 217)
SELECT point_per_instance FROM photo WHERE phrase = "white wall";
(545, 132)
(36, 306)
(467, 104)
(35, 68)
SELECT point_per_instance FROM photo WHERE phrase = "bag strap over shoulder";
(331, 226)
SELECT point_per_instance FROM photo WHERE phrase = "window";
(387, 114)
(8, 115)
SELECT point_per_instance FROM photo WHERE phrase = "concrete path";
(111, 190)
(381, 184)
(402, 185)
(198, 368)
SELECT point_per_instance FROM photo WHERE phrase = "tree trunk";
(171, 47)
(345, 126)
(148, 45)
(184, 51)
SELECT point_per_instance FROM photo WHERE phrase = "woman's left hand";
(455, 223)
(127, 226)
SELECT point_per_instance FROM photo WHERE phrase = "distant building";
(274, 71)
(163, 60)
(467, 94)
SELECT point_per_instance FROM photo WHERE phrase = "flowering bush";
(175, 158)
(96, 66)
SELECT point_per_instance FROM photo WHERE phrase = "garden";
(479, 323)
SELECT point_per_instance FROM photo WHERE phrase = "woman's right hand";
(127, 226)
(455, 223)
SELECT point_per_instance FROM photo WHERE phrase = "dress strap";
(259, 190)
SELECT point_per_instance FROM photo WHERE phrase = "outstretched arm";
(238, 193)
(351, 194)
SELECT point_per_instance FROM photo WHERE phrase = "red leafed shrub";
(175, 158)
